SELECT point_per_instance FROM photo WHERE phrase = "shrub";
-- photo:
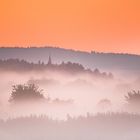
(26, 92)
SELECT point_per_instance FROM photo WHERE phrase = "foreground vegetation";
(118, 126)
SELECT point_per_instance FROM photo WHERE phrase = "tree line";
(69, 67)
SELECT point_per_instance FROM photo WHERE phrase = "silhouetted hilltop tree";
(25, 93)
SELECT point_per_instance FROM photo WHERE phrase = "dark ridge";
(103, 61)
(17, 65)
(67, 49)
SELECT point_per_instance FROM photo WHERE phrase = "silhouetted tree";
(104, 104)
(133, 97)
(133, 100)
(96, 71)
(25, 92)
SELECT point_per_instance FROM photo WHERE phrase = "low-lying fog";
(69, 94)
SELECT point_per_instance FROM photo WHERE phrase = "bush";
(26, 92)
(133, 101)
(133, 97)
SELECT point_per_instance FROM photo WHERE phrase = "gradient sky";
(101, 25)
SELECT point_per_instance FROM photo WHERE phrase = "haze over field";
(64, 90)
(72, 88)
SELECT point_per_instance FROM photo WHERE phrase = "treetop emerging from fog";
(26, 92)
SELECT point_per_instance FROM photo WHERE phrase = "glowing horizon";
(103, 26)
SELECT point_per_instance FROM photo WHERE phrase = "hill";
(103, 61)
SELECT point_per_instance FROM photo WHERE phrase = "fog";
(75, 103)
(77, 93)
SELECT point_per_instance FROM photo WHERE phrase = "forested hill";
(103, 61)
(17, 65)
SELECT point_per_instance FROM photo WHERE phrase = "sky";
(97, 25)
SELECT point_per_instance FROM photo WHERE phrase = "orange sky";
(101, 25)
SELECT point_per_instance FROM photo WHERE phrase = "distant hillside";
(103, 61)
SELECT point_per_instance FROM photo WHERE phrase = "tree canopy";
(133, 101)
(25, 92)
(133, 97)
